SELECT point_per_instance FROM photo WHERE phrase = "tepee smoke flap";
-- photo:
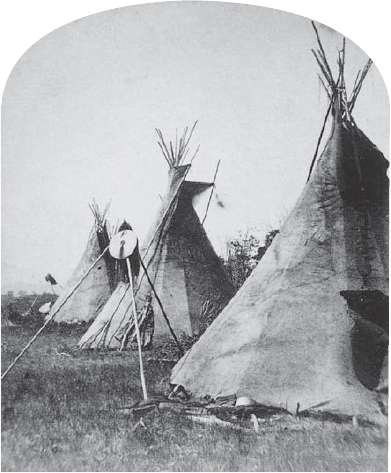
(95, 290)
(309, 328)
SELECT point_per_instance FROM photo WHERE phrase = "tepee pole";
(211, 192)
(143, 384)
(319, 139)
(49, 319)
(145, 266)
(180, 349)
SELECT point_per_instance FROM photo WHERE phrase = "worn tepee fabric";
(301, 333)
(182, 266)
(90, 297)
(187, 274)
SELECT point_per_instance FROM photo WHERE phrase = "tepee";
(5, 318)
(185, 278)
(309, 329)
(89, 298)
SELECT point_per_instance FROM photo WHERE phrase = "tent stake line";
(52, 316)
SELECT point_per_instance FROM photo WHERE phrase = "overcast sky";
(81, 106)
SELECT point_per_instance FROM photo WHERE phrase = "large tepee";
(86, 302)
(309, 328)
(185, 277)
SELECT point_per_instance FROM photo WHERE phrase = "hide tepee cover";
(309, 328)
(89, 298)
(187, 275)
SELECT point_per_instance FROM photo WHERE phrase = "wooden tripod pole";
(143, 384)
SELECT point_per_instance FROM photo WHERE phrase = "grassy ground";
(61, 413)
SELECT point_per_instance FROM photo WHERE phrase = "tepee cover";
(89, 298)
(182, 266)
(309, 328)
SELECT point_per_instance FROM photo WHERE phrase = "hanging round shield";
(123, 244)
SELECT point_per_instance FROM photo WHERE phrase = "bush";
(243, 253)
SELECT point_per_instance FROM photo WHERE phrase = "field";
(61, 413)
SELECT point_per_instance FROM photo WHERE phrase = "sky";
(80, 109)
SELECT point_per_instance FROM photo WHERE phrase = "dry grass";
(60, 414)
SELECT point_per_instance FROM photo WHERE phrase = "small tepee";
(5, 318)
(90, 297)
(185, 279)
(308, 330)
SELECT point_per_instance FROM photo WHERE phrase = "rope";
(49, 319)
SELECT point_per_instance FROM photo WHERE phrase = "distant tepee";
(5, 318)
(89, 298)
(189, 281)
(309, 328)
